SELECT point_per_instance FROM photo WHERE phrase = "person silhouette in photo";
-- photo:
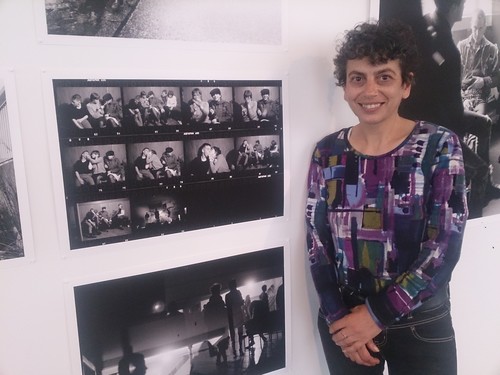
(171, 163)
(258, 153)
(218, 162)
(215, 316)
(78, 115)
(141, 166)
(268, 110)
(258, 322)
(132, 363)
(236, 318)
(115, 169)
(480, 66)
(96, 111)
(113, 114)
(83, 170)
(200, 165)
(198, 108)
(249, 107)
(220, 110)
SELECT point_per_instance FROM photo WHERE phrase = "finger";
(372, 346)
(366, 357)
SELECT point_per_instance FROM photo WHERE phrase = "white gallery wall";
(37, 322)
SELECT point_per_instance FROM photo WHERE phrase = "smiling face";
(374, 92)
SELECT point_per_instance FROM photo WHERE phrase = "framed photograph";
(215, 22)
(16, 241)
(149, 157)
(225, 315)
(457, 85)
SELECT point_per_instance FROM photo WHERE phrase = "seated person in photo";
(249, 107)
(218, 163)
(170, 112)
(198, 109)
(96, 111)
(99, 170)
(114, 167)
(83, 170)
(258, 322)
(200, 165)
(479, 58)
(134, 111)
(153, 163)
(79, 115)
(243, 155)
(141, 167)
(267, 109)
(220, 110)
(272, 154)
(171, 163)
(153, 111)
(89, 224)
(113, 114)
(119, 218)
(258, 152)
(104, 220)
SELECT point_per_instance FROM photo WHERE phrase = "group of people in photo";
(93, 169)
(150, 108)
(95, 222)
(210, 159)
(95, 112)
(241, 319)
(149, 166)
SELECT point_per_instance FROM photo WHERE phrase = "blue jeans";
(421, 344)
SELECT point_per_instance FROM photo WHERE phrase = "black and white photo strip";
(109, 107)
(225, 316)
(173, 159)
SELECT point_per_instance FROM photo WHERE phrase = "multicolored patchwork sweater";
(389, 227)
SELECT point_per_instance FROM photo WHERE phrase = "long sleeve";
(320, 246)
(445, 213)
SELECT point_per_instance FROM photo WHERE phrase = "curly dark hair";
(379, 42)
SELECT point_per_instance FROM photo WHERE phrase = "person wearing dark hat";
(112, 111)
(171, 162)
(221, 111)
(114, 167)
(267, 109)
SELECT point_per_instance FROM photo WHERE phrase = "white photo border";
(69, 285)
(48, 75)
(45, 38)
(8, 77)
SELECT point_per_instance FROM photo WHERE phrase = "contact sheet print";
(143, 158)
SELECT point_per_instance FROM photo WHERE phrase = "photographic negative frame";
(157, 150)
(135, 23)
(441, 91)
(16, 241)
(165, 315)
